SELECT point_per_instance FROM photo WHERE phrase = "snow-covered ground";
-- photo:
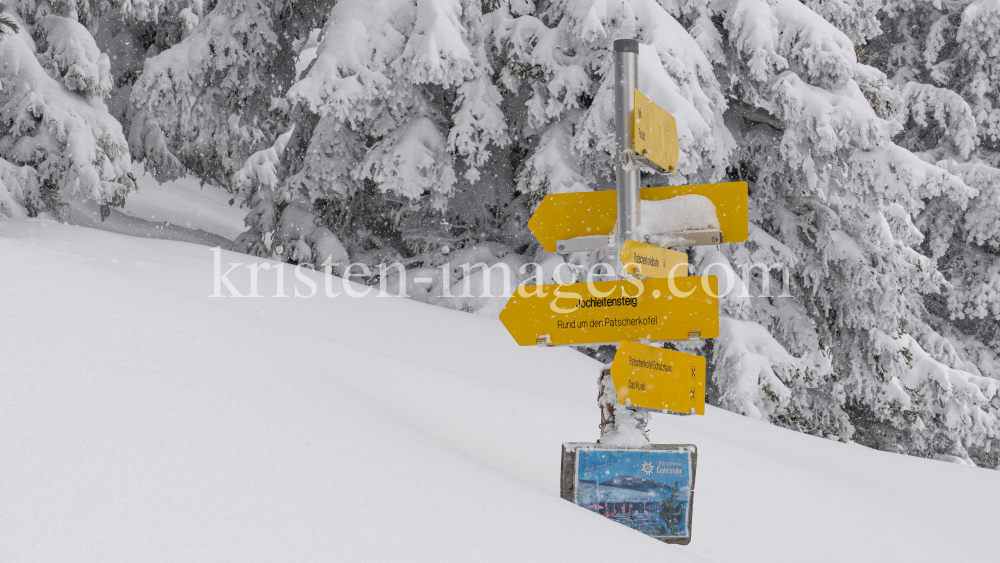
(142, 420)
(185, 203)
(182, 210)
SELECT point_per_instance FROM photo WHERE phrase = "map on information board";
(646, 490)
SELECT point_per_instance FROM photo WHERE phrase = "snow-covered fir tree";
(942, 58)
(834, 198)
(58, 144)
(425, 132)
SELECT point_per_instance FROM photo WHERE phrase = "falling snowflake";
(647, 468)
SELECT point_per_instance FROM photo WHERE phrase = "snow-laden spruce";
(60, 142)
(943, 58)
(57, 140)
(834, 197)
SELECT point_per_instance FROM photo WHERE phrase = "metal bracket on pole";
(586, 244)
(708, 237)
(652, 165)
(631, 160)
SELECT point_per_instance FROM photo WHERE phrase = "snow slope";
(182, 210)
(141, 420)
(185, 203)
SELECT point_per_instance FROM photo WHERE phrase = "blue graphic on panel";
(648, 491)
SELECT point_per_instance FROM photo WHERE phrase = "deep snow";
(183, 210)
(186, 203)
(141, 420)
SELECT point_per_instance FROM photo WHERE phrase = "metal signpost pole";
(627, 187)
(626, 169)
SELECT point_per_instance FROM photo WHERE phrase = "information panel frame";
(639, 473)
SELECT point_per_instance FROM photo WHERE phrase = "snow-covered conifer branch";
(71, 143)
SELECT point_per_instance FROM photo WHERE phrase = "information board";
(650, 490)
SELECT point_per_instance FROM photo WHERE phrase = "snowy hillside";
(141, 420)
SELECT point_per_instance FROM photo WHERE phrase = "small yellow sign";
(654, 309)
(655, 133)
(654, 378)
(651, 261)
(566, 216)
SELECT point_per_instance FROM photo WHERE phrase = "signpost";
(654, 378)
(648, 487)
(612, 311)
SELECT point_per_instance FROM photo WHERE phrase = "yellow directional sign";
(566, 216)
(651, 261)
(654, 378)
(579, 214)
(655, 133)
(610, 311)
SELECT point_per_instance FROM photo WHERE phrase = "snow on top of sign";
(678, 214)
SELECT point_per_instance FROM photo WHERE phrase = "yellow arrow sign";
(566, 216)
(651, 261)
(655, 133)
(610, 311)
(654, 378)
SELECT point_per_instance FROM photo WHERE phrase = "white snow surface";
(681, 213)
(678, 214)
(182, 210)
(142, 420)
(185, 203)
